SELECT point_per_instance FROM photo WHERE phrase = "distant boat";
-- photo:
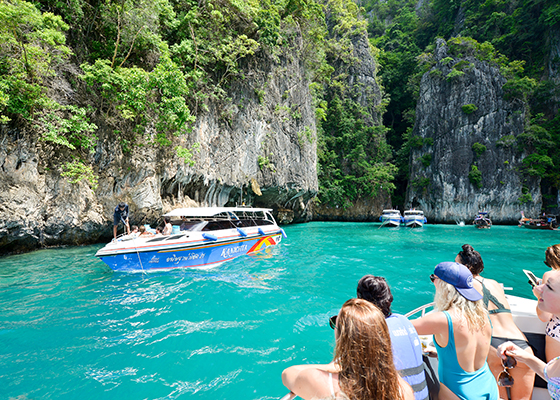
(482, 220)
(546, 222)
(414, 218)
(391, 218)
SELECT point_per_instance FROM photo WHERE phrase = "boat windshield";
(228, 220)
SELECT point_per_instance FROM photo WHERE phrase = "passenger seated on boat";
(503, 326)
(143, 232)
(159, 229)
(407, 349)
(550, 371)
(462, 333)
(364, 367)
(168, 228)
(548, 306)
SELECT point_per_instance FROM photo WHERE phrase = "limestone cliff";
(464, 157)
(357, 74)
(257, 149)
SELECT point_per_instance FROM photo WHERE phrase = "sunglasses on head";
(433, 277)
(332, 321)
(505, 379)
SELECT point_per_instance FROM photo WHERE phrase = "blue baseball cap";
(459, 277)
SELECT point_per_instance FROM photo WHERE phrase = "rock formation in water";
(464, 157)
(258, 149)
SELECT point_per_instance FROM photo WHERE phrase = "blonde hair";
(363, 350)
(472, 311)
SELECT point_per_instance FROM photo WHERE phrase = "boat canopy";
(213, 211)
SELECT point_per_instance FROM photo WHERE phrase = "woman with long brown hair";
(363, 368)
(503, 327)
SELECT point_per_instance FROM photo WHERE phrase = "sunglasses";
(332, 321)
(433, 277)
(505, 379)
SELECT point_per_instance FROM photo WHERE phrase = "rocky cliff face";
(360, 78)
(259, 149)
(464, 124)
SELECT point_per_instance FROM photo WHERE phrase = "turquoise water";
(70, 328)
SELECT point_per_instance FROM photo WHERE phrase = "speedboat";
(482, 220)
(201, 237)
(525, 317)
(391, 218)
(414, 218)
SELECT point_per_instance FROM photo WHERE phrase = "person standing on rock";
(120, 215)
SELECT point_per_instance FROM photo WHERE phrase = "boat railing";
(423, 309)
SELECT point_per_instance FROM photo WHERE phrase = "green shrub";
(76, 171)
(421, 182)
(478, 148)
(469, 108)
(475, 176)
(506, 141)
(454, 74)
(426, 160)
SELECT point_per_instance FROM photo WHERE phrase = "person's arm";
(306, 381)
(510, 349)
(551, 348)
(431, 324)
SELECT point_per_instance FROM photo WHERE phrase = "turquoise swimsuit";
(476, 385)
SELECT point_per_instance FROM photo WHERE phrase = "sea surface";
(70, 328)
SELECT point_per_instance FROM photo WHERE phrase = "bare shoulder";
(431, 323)
(493, 285)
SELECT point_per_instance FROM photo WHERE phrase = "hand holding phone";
(533, 280)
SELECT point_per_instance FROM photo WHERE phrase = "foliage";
(426, 160)
(68, 126)
(469, 108)
(421, 182)
(32, 45)
(264, 162)
(478, 148)
(352, 151)
(475, 176)
(77, 171)
(187, 154)
(537, 164)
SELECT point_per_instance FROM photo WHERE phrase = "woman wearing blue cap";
(462, 334)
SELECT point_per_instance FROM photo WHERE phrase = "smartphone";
(533, 280)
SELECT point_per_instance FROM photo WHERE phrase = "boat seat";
(537, 342)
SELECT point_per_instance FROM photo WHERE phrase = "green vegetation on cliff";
(517, 35)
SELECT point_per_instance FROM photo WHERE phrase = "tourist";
(462, 333)
(159, 229)
(550, 371)
(503, 327)
(120, 215)
(364, 367)
(407, 349)
(548, 305)
(144, 232)
(168, 228)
